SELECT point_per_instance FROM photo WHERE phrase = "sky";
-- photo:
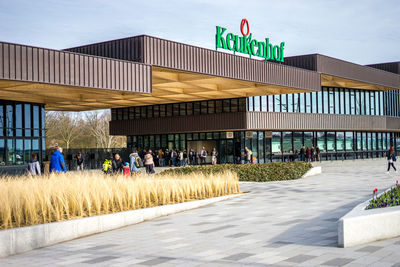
(360, 31)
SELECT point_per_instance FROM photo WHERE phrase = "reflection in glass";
(339, 141)
(19, 151)
(330, 141)
(287, 142)
(297, 140)
(276, 142)
(321, 141)
(349, 141)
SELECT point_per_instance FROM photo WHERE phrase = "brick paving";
(288, 223)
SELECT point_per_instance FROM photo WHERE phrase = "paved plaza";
(278, 223)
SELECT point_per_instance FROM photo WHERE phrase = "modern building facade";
(165, 94)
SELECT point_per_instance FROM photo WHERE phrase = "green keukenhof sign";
(247, 45)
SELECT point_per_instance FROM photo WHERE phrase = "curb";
(313, 171)
(18, 240)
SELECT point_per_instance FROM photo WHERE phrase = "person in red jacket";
(126, 170)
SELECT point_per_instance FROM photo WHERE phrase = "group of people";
(309, 154)
(179, 158)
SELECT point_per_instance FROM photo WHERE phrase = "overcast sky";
(361, 31)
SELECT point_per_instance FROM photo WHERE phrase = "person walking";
(308, 154)
(191, 156)
(126, 170)
(312, 153)
(174, 158)
(302, 153)
(181, 161)
(117, 164)
(317, 152)
(135, 162)
(57, 163)
(149, 163)
(161, 158)
(34, 166)
(203, 156)
(79, 162)
(391, 157)
(248, 155)
(214, 155)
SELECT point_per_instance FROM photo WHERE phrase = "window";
(297, 140)
(156, 111)
(283, 103)
(373, 141)
(132, 112)
(337, 101)
(308, 102)
(308, 139)
(352, 102)
(321, 141)
(197, 108)
(302, 103)
(381, 112)
(357, 102)
(277, 103)
(276, 142)
(369, 137)
(264, 103)
(18, 120)
(227, 105)
(320, 102)
(27, 115)
(372, 100)
(339, 141)
(359, 141)
(330, 141)
(10, 152)
(149, 112)
(9, 120)
(250, 106)
(342, 102)
(218, 106)
(347, 101)
(325, 93)
(314, 102)
(211, 106)
(242, 104)
(203, 107)
(290, 102)
(2, 152)
(169, 110)
(234, 105)
(182, 109)
(287, 142)
(349, 141)
(36, 119)
(296, 104)
(379, 141)
(331, 101)
(364, 141)
(257, 104)
(125, 113)
(19, 152)
(367, 103)
(270, 103)
(377, 108)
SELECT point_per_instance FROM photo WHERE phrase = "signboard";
(268, 134)
(229, 135)
(249, 134)
(245, 44)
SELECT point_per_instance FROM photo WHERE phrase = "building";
(165, 94)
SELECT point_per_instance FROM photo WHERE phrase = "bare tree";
(63, 127)
(98, 124)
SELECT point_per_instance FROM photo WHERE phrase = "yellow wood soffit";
(334, 81)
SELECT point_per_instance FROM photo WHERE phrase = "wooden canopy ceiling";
(334, 81)
(168, 86)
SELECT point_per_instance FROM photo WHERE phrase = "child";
(127, 170)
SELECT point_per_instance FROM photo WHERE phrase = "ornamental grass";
(25, 200)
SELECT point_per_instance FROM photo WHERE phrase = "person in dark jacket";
(302, 153)
(79, 162)
(117, 164)
(308, 154)
(391, 157)
(34, 166)
(57, 163)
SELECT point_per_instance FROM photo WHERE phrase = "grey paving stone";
(102, 246)
(237, 235)
(217, 229)
(300, 258)
(100, 259)
(237, 257)
(156, 261)
(369, 249)
(338, 262)
(278, 244)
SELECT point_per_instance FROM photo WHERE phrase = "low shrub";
(259, 172)
(390, 198)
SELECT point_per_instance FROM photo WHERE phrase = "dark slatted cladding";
(340, 68)
(393, 67)
(210, 122)
(169, 54)
(32, 64)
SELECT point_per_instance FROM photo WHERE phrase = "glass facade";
(327, 101)
(22, 132)
(276, 146)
